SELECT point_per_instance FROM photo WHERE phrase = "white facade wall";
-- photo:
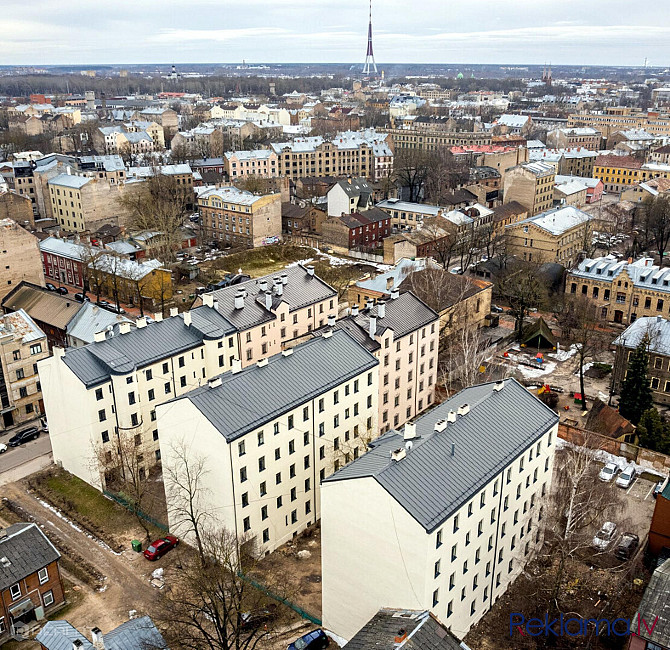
(340, 203)
(374, 554)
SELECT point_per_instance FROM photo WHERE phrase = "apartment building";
(656, 331)
(257, 162)
(433, 140)
(115, 140)
(19, 257)
(618, 173)
(557, 236)
(349, 196)
(239, 218)
(270, 311)
(295, 419)
(403, 334)
(112, 386)
(408, 215)
(532, 185)
(577, 161)
(567, 138)
(623, 291)
(22, 345)
(357, 231)
(620, 119)
(442, 516)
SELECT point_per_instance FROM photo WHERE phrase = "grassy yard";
(262, 261)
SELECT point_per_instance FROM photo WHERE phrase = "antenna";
(370, 67)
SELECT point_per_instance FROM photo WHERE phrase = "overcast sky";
(412, 31)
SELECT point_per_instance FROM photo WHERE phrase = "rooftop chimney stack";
(263, 285)
(98, 337)
(124, 328)
(410, 431)
(158, 316)
(236, 366)
(499, 385)
(373, 326)
(214, 383)
(440, 425)
(284, 278)
(395, 292)
(187, 318)
(310, 270)
(239, 300)
(98, 641)
(463, 409)
(381, 309)
(268, 300)
(141, 322)
(354, 310)
(173, 312)
(451, 416)
(331, 320)
(208, 300)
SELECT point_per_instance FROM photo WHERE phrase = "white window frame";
(48, 594)
(43, 575)
(11, 591)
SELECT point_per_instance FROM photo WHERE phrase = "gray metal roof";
(301, 291)
(655, 603)
(27, 551)
(429, 482)
(121, 354)
(59, 635)
(91, 319)
(247, 399)
(424, 632)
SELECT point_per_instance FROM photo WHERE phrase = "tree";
(657, 223)
(444, 173)
(653, 432)
(411, 168)
(636, 396)
(520, 285)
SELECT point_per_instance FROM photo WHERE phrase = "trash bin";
(137, 545)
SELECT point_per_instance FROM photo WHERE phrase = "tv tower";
(370, 67)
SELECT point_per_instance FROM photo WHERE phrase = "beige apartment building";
(531, 185)
(568, 138)
(239, 218)
(622, 291)
(298, 417)
(426, 140)
(20, 257)
(22, 345)
(257, 162)
(622, 119)
(557, 236)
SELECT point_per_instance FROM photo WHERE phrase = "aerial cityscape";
(336, 325)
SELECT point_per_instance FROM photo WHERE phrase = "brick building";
(358, 231)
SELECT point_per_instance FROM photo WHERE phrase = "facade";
(257, 162)
(239, 218)
(19, 257)
(531, 185)
(63, 262)
(297, 220)
(408, 215)
(349, 196)
(623, 291)
(312, 409)
(647, 190)
(618, 173)
(22, 345)
(420, 243)
(586, 137)
(620, 119)
(441, 517)
(657, 330)
(594, 186)
(30, 582)
(433, 140)
(357, 231)
(659, 531)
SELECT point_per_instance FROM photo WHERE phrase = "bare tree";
(411, 168)
(523, 289)
(657, 223)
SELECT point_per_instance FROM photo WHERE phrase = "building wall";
(63, 270)
(20, 257)
(538, 245)
(659, 532)
(659, 373)
(266, 221)
(534, 193)
(17, 207)
(265, 167)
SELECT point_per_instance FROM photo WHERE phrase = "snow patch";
(563, 355)
(338, 639)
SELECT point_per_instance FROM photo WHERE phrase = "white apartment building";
(269, 434)
(111, 387)
(441, 517)
(403, 333)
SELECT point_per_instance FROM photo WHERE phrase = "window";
(266, 536)
(437, 568)
(261, 439)
(243, 474)
(290, 421)
(167, 387)
(450, 608)
(294, 516)
(182, 381)
(102, 416)
(261, 464)
(105, 436)
(151, 395)
(277, 478)
(438, 539)
(455, 523)
(453, 552)
(436, 597)
(245, 499)
(247, 524)
(279, 502)
(36, 348)
(15, 591)
(98, 394)
(48, 598)
(43, 575)
(241, 448)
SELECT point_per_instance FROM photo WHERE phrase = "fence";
(368, 257)
(128, 506)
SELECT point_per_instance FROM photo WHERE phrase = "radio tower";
(370, 67)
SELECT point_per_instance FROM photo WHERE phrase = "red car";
(160, 547)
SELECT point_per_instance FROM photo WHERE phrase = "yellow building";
(129, 281)
(621, 172)
(531, 185)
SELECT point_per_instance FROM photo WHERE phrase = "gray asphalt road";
(18, 462)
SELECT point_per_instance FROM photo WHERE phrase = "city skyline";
(333, 32)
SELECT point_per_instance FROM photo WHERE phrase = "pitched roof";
(607, 421)
(655, 603)
(508, 210)
(69, 180)
(384, 282)
(59, 635)
(20, 326)
(247, 399)
(92, 319)
(656, 328)
(27, 550)
(539, 334)
(424, 632)
(42, 305)
(430, 483)
(556, 221)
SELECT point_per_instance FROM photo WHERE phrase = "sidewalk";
(36, 421)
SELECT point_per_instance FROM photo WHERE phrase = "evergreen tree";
(636, 395)
(653, 432)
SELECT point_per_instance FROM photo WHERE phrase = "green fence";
(129, 506)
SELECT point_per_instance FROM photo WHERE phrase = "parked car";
(50, 286)
(3, 447)
(604, 536)
(627, 545)
(102, 303)
(608, 472)
(62, 290)
(81, 297)
(456, 270)
(626, 478)
(24, 436)
(258, 617)
(160, 547)
(311, 641)
(496, 310)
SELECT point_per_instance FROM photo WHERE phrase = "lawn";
(262, 261)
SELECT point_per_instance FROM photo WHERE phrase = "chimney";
(401, 635)
(263, 285)
(173, 311)
(284, 278)
(98, 641)
(268, 300)
(389, 282)
(395, 292)
(98, 337)
(214, 383)
(499, 385)
(463, 409)
(331, 320)
(141, 322)
(208, 299)
(287, 353)
(215, 305)
(354, 310)
(262, 363)
(381, 309)
(453, 448)
(187, 318)
(410, 431)
(124, 328)
(440, 425)
(327, 334)
(369, 303)
(398, 454)
(236, 366)
(451, 416)
(310, 270)
(279, 287)
(158, 316)
(373, 327)
(239, 300)
(77, 644)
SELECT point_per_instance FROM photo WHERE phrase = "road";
(18, 462)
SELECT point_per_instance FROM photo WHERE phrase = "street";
(18, 462)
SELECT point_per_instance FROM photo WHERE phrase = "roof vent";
(400, 636)
(236, 366)
(451, 416)
(173, 311)
(310, 270)
(398, 454)
(208, 300)
(124, 328)
(214, 383)
(354, 310)
(327, 335)
(410, 430)
(262, 363)
(4, 561)
(499, 385)
(287, 353)
(141, 322)
(440, 425)
(239, 300)
(463, 409)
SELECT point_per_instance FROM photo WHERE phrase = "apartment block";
(619, 173)
(257, 162)
(532, 185)
(403, 333)
(442, 516)
(622, 291)
(586, 137)
(620, 119)
(408, 215)
(273, 432)
(557, 236)
(19, 257)
(239, 218)
(22, 345)
(433, 140)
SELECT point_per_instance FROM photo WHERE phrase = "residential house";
(571, 193)
(349, 196)
(408, 215)
(646, 191)
(420, 526)
(357, 231)
(594, 186)
(257, 162)
(432, 240)
(660, 155)
(607, 421)
(616, 118)
(30, 582)
(659, 531)
(531, 185)
(618, 173)
(19, 257)
(314, 410)
(65, 262)
(507, 214)
(302, 219)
